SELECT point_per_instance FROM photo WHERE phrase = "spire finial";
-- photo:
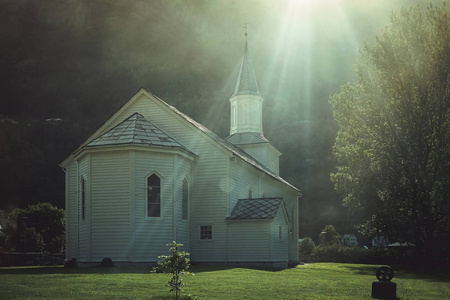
(245, 30)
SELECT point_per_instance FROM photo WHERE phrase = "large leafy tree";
(42, 225)
(393, 144)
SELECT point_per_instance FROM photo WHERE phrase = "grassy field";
(311, 281)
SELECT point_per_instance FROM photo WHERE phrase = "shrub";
(43, 224)
(329, 236)
(343, 254)
(177, 264)
(307, 246)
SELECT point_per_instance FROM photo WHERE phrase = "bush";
(307, 246)
(357, 255)
(44, 225)
(329, 236)
(177, 263)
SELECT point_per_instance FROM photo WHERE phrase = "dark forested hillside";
(67, 65)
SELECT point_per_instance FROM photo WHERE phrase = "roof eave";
(121, 147)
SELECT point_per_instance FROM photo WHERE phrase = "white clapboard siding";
(183, 227)
(265, 154)
(273, 188)
(242, 179)
(109, 209)
(249, 241)
(257, 151)
(273, 159)
(279, 246)
(71, 211)
(210, 206)
(153, 234)
(244, 176)
(209, 189)
(83, 227)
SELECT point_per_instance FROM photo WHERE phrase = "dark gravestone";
(384, 288)
(106, 262)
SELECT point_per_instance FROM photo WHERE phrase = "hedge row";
(343, 254)
(30, 259)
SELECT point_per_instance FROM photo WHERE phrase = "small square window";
(206, 232)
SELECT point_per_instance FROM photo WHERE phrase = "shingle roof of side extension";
(136, 130)
(261, 208)
(246, 83)
(244, 138)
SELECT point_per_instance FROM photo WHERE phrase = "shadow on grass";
(61, 270)
(184, 297)
(432, 274)
(195, 268)
(36, 270)
(363, 269)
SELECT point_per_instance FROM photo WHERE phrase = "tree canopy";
(39, 228)
(329, 236)
(393, 143)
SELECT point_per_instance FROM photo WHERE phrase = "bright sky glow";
(296, 37)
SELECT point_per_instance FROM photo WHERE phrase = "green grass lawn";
(311, 281)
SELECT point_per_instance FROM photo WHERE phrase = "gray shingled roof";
(261, 208)
(136, 130)
(244, 138)
(246, 83)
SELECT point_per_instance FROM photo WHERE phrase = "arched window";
(83, 198)
(185, 200)
(153, 196)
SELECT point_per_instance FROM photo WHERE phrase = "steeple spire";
(246, 130)
(246, 82)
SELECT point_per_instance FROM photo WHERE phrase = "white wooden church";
(152, 175)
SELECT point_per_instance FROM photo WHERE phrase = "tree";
(177, 263)
(393, 144)
(44, 225)
(329, 236)
(307, 246)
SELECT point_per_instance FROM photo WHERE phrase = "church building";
(151, 175)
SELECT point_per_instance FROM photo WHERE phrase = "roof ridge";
(128, 134)
(234, 149)
(131, 122)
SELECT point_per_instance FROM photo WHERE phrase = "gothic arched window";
(83, 198)
(185, 200)
(153, 196)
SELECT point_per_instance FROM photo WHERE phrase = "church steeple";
(246, 101)
(246, 130)
(246, 82)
